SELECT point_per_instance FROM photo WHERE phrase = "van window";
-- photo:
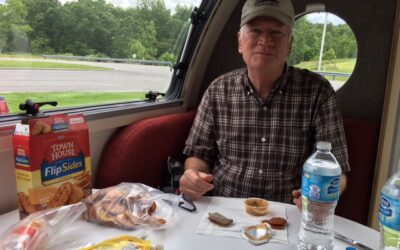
(324, 43)
(89, 52)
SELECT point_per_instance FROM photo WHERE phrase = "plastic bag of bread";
(38, 229)
(130, 206)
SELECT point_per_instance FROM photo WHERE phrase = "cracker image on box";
(52, 162)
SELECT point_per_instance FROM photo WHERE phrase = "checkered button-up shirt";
(257, 148)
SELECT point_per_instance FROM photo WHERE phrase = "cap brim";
(261, 13)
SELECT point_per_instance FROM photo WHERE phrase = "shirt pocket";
(290, 148)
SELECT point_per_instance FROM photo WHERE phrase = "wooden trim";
(388, 125)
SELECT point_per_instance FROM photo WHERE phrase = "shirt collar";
(279, 87)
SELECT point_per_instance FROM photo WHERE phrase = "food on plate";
(276, 222)
(257, 234)
(256, 206)
(123, 207)
(219, 219)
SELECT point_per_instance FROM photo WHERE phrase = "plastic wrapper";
(123, 243)
(38, 229)
(131, 205)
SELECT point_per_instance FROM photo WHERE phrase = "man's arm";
(196, 179)
(197, 164)
(343, 183)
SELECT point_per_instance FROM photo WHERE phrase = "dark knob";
(32, 108)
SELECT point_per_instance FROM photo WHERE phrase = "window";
(324, 43)
(88, 52)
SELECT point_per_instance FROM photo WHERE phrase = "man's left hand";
(297, 198)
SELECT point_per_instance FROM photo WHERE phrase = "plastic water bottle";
(320, 189)
(389, 214)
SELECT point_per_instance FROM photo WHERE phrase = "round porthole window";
(324, 43)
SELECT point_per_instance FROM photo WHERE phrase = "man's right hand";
(297, 198)
(195, 183)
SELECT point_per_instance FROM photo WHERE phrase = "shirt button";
(264, 108)
(260, 171)
(263, 139)
(280, 92)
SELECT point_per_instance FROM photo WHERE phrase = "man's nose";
(265, 38)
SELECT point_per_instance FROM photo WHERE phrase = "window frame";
(173, 96)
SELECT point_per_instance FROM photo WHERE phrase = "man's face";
(264, 43)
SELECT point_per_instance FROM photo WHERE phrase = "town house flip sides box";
(52, 161)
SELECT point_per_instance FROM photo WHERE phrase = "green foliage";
(137, 50)
(339, 42)
(93, 27)
(330, 55)
(168, 57)
(14, 28)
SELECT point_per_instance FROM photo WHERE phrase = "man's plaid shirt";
(257, 148)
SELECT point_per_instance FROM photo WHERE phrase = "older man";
(256, 126)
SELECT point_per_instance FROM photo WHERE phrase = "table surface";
(183, 234)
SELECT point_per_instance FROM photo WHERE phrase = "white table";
(183, 236)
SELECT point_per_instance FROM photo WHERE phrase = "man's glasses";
(187, 204)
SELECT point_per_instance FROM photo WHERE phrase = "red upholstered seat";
(362, 142)
(139, 152)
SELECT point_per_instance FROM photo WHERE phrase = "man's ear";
(239, 43)
(290, 46)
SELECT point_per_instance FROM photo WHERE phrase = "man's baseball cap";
(281, 10)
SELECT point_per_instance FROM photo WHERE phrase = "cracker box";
(52, 162)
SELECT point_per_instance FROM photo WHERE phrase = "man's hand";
(195, 183)
(297, 198)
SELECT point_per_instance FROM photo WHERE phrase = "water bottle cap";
(324, 145)
(351, 248)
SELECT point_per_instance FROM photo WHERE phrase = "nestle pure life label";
(320, 188)
(52, 162)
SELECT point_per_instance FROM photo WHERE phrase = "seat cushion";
(139, 152)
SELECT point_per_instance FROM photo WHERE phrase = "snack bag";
(52, 162)
(130, 206)
(38, 229)
(125, 242)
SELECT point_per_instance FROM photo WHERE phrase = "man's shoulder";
(305, 76)
(307, 73)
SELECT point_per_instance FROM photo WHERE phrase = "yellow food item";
(124, 242)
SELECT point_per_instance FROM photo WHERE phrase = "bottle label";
(320, 188)
(389, 212)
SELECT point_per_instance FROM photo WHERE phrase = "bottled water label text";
(389, 212)
(320, 188)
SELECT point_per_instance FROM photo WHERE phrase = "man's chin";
(261, 65)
